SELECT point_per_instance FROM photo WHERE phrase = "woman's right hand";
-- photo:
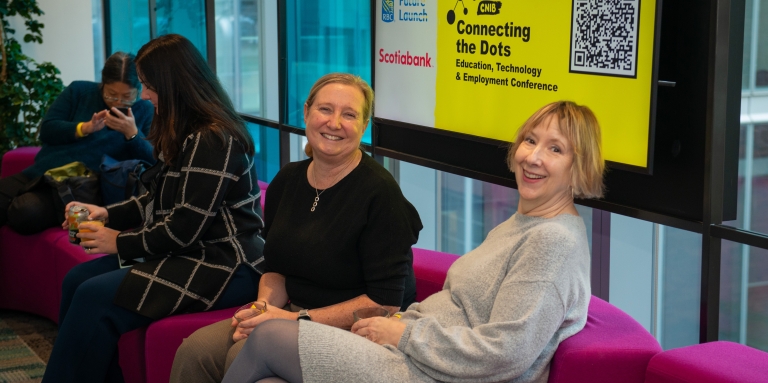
(96, 123)
(244, 328)
(96, 212)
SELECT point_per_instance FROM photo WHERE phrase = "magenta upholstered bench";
(16, 160)
(32, 267)
(715, 362)
(430, 268)
(164, 336)
(612, 347)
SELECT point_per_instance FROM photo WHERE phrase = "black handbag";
(120, 179)
(40, 204)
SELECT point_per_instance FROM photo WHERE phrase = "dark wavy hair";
(120, 67)
(189, 97)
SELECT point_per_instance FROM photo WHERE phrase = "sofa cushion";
(32, 268)
(715, 362)
(430, 268)
(165, 336)
(17, 160)
(612, 347)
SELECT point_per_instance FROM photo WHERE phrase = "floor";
(37, 332)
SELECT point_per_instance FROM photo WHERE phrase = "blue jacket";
(76, 104)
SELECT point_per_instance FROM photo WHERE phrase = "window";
(744, 295)
(246, 55)
(458, 212)
(324, 37)
(267, 147)
(129, 27)
(760, 26)
(184, 17)
(132, 23)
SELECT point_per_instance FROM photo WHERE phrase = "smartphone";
(121, 109)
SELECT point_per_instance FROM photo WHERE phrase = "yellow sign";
(499, 61)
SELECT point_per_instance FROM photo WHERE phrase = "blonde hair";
(345, 79)
(580, 127)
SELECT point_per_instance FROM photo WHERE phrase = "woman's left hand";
(100, 240)
(380, 330)
(245, 327)
(123, 123)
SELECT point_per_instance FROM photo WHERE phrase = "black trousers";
(28, 212)
(90, 323)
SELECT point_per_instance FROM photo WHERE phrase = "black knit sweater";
(357, 241)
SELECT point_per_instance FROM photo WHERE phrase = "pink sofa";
(33, 267)
(612, 347)
(714, 362)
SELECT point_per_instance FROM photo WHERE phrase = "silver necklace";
(317, 193)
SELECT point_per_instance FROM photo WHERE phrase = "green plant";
(27, 88)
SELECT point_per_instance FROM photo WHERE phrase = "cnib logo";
(387, 11)
(488, 8)
(483, 8)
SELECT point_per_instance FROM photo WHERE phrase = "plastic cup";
(95, 222)
(370, 312)
(250, 310)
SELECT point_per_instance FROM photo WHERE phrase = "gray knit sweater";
(503, 310)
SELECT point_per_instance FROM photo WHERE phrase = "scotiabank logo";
(405, 59)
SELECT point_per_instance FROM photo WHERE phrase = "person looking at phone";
(197, 228)
(73, 130)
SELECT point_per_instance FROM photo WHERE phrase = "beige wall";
(67, 38)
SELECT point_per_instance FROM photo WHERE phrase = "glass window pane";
(246, 55)
(97, 19)
(752, 202)
(324, 37)
(643, 252)
(266, 141)
(458, 212)
(746, 135)
(297, 144)
(758, 201)
(184, 17)
(129, 25)
(761, 80)
(744, 295)
(631, 267)
(747, 44)
(680, 290)
(469, 209)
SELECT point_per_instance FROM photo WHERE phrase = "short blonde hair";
(580, 127)
(345, 79)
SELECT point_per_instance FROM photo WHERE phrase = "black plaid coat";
(199, 221)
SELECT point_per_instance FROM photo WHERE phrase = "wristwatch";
(304, 315)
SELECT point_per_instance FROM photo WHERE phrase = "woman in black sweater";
(339, 234)
(197, 229)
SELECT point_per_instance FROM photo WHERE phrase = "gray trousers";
(206, 355)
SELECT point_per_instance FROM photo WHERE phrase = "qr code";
(604, 37)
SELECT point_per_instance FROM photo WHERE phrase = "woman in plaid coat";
(194, 239)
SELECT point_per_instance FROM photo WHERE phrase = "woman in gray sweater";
(505, 306)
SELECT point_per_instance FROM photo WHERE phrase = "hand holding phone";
(121, 109)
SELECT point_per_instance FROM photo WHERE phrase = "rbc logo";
(387, 11)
